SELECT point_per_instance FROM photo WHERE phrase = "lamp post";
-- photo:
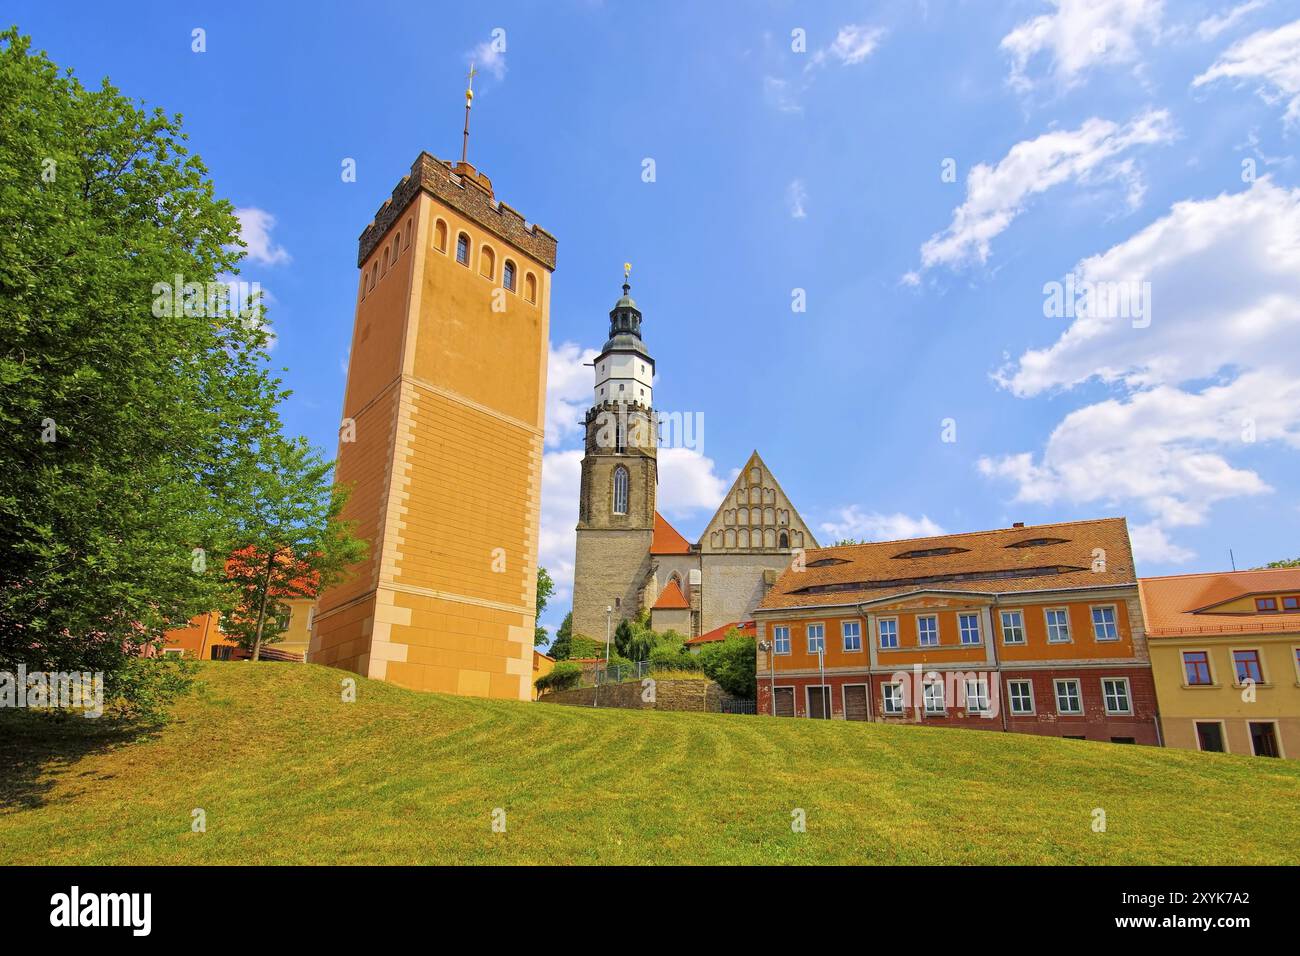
(823, 690)
(609, 617)
(766, 646)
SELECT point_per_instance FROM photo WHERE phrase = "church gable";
(755, 516)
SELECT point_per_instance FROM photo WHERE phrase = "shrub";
(733, 663)
(561, 677)
(669, 657)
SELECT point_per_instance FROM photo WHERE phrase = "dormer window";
(1291, 602)
(931, 552)
(1037, 542)
(822, 562)
(1266, 605)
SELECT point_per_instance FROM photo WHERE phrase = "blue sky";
(1126, 142)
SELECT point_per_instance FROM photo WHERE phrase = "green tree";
(562, 647)
(292, 542)
(545, 588)
(124, 419)
(846, 541)
(1285, 563)
(733, 663)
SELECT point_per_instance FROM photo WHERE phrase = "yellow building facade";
(1225, 654)
(441, 441)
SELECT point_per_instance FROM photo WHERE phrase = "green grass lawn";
(287, 773)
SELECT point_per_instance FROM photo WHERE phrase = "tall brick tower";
(616, 511)
(442, 441)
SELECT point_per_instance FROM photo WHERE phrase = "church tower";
(441, 440)
(616, 511)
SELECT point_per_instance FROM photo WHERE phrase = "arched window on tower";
(462, 249)
(487, 262)
(620, 490)
(530, 287)
(508, 276)
(440, 236)
(783, 542)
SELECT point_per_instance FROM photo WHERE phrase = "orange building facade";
(441, 441)
(1032, 630)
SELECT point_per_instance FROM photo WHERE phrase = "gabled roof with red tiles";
(671, 598)
(720, 633)
(1185, 604)
(1045, 557)
(666, 539)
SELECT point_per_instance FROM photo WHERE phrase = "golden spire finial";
(627, 270)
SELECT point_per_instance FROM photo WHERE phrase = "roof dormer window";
(1037, 542)
(931, 552)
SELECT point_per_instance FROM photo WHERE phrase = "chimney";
(1018, 524)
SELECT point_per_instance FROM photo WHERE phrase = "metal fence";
(740, 707)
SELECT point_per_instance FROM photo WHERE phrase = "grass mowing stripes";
(288, 773)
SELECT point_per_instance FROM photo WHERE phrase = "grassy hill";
(289, 774)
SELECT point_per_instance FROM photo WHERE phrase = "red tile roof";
(1043, 557)
(671, 598)
(1176, 604)
(666, 539)
(720, 633)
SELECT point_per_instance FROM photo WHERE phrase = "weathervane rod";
(469, 100)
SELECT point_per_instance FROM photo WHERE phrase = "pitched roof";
(720, 633)
(666, 539)
(1182, 603)
(671, 598)
(1035, 558)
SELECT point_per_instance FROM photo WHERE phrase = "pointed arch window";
(621, 482)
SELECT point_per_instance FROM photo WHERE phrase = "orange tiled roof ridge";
(666, 539)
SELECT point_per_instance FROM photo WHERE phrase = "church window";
(397, 244)
(508, 276)
(385, 260)
(408, 233)
(530, 287)
(462, 249)
(783, 541)
(620, 490)
(487, 262)
(440, 236)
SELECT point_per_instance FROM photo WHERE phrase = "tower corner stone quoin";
(441, 441)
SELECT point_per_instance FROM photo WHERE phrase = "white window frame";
(980, 698)
(885, 699)
(880, 634)
(1020, 627)
(1078, 694)
(926, 697)
(844, 636)
(920, 642)
(1011, 697)
(1047, 620)
(808, 637)
(777, 630)
(621, 471)
(173, 652)
(961, 631)
(1128, 695)
(1114, 611)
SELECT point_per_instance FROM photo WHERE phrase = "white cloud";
(255, 227)
(569, 386)
(796, 197)
(1212, 26)
(996, 195)
(561, 483)
(852, 44)
(853, 522)
(1271, 57)
(780, 95)
(1151, 545)
(1079, 35)
(688, 482)
(1217, 371)
(489, 56)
